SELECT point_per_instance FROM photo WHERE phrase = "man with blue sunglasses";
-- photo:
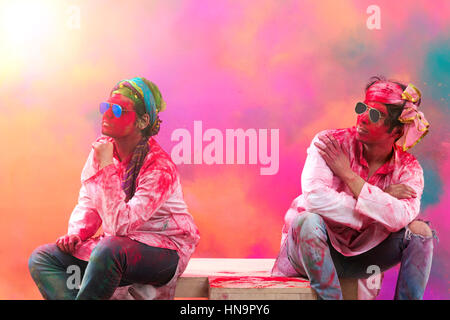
(116, 108)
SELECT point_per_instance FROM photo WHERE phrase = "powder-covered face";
(369, 132)
(123, 126)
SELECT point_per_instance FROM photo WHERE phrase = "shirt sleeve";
(393, 213)
(84, 220)
(119, 217)
(320, 195)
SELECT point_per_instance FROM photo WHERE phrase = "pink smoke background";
(296, 66)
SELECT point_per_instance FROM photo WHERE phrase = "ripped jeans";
(114, 262)
(311, 254)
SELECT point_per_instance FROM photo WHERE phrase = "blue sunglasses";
(116, 109)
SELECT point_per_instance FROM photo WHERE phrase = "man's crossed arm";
(394, 207)
(338, 161)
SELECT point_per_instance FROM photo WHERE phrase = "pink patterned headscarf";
(415, 124)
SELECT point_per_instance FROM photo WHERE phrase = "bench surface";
(228, 267)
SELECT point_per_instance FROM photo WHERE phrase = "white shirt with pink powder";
(355, 226)
(156, 215)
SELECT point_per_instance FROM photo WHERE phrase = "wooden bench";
(246, 279)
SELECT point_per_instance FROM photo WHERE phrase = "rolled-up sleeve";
(320, 195)
(391, 212)
(119, 217)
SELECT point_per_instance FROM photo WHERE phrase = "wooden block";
(194, 282)
(260, 288)
(262, 296)
(349, 288)
(192, 287)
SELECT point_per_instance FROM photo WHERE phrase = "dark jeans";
(114, 262)
(311, 254)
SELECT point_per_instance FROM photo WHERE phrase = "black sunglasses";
(374, 114)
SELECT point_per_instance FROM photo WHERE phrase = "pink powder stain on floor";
(258, 282)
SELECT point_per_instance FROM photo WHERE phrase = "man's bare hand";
(103, 153)
(68, 242)
(334, 155)
(401, 191)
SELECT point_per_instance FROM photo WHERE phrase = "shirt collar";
(387, 167)
(125, 161)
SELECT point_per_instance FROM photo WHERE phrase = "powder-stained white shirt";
(156, 215)
(355, 226)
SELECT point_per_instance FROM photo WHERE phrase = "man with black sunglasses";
(361, 199)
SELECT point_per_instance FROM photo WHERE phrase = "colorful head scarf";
(415, 124)
(143, 91)
(133, 168)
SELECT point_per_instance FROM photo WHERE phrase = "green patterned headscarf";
(146, 96)
(143, 92)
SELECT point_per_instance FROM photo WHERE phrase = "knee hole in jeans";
(420, 228)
